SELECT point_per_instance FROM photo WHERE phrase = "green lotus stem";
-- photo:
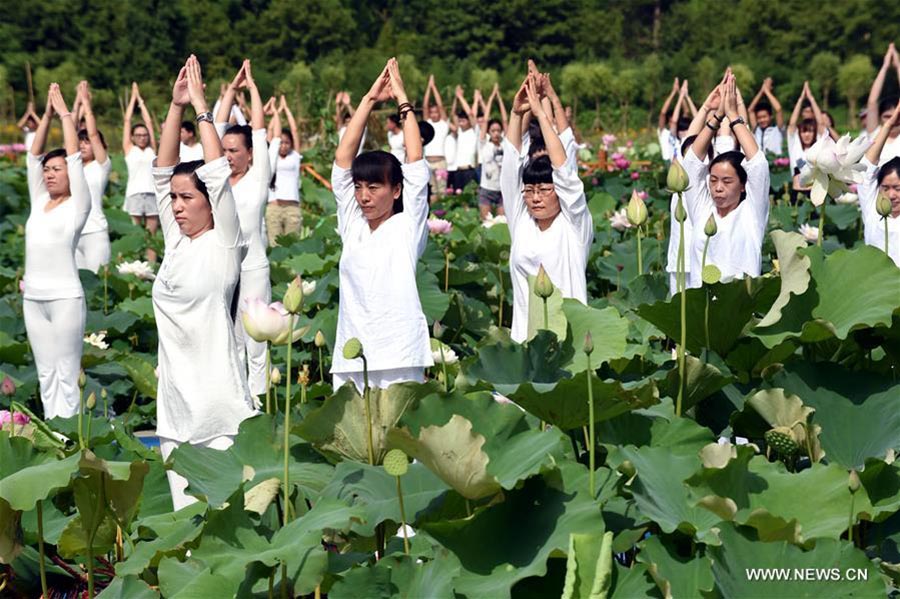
(268, 377)
(500, 294)
(682, 290)
(272, 584)
(370, 445)
(81, 417)
(287, 432)
(90, 421)
(402, 517)
(706, 307)
(321, 371)
(105, 285)
(41, 563)
(443, 364)
(105, 406)
(284, 586)
(850, 520)
(640, 255)
(591, 444)
(886, 235)
(822, 223)
(546, 316)
(446, 270)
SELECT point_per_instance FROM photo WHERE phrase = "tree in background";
(745, 78)
(853, 80)
(823, 72)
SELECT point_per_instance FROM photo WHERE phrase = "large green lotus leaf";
(881, 482)
(794, 268)
(702, 379)
(257, 455)
(678, 436)
(540, 360)
(780, 409)
(338, 428)
(620, 265)
(10, 533)
(141, 372)
(588, 566)
(73, 542)
(565, 404)
(496, 548)
(27, 475)
(191, 580)
(401, 577)
(171, 534)
(608, 329)
(129, 587)
(117, 485)
(632, 582)
(434, 301)
(857, 412)
(676, 575)
(741, 551)
(373, 489)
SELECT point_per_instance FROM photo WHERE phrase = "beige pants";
(282, 220)
(438, 184)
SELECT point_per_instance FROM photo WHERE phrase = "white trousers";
(381, 379)
(254, 284)
(55, 330)
(93, 251)
(177, 483)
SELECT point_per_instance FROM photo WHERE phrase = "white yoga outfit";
(396, 145)
(379, 300)
(562, 249)
(54, 307)
(93, 246)
(736, 249)
(873, 224)
(435, 148)
(188, 153)
(287, 173)
(251, 193)
(202, 389)
(140, 170)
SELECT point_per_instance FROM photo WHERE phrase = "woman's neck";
(545, 223)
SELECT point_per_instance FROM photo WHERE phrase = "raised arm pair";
(137, 101)
(873, 118)
(243, 80)
(766, 90)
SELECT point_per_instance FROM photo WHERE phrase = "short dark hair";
(137, 126)
(287, 131)
(379, 166)
(689, 141)
(190, 168)
(763, 106)
(891, 166)
(808, 124)
(537, 138)
(684, 123)
(735, 159)
(493, 122)
(83, 135)
(536, 171)
(462, 114)
(189, 127)
(57, 153)
(887, 105)
(394, 118)
(244, 131)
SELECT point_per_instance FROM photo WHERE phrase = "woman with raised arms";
(202, 393)
(382, 211)
(885, 180)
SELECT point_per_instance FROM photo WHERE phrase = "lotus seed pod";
(293, 297)
(543, 286)
(303, 377)
(320, 339)
(396, 463)
(711, 228)
(91, 401)
(680, 212)
(627, 468)
(853, 482)
(352, 349)
(677, 178)
(781, 440)
(636, 210)
(588, 343)
(883, 205)
(711, 274)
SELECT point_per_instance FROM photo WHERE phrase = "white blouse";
(396, 145)
(140, 170)
(379, 300)
(736, 249)
(873, 224)
(202, 389)
(97, 176)
(51, 237)
(562, 249)
(287, 174)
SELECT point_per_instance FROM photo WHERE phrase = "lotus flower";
(635, 175)
(97, 340)
(17, 418)
(448, 356)
(608, 140)
(490, 221)
(138, 268)
(459, 191)
(810, 234)
(21, 286)
(619, 220)
(847, 198)
(268, 322)
(293, 297)
(831, 165)
(308, 287)
(439, 226)
(782, 162)
(7, 387)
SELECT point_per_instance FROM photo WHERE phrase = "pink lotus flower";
(635, 175)
(7, 387)
(439, 226)
(21, 286)
(17, 418)
(629, 144)
(459, 192)
(439, 213)
(608, 140)
(595, 181)
(450, 191)
(782, 162)
(268, 322)
(441, 174)
(643, 195)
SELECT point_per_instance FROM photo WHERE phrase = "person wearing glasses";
(545, 207)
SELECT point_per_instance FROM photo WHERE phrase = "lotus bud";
(275, 376)
(396, 463)
(883, 205)
(353, 349)
(853, 482)
(293, 297)
(680, 212)
(543, 286)
(91, 402)
(627, 468)
(303, 377)
(438, 329)
(320, 339)
(7, 387)
(588, 344)
(103, 393)
(677, 178)
(711, 228)
(82, 379)
(637, 210)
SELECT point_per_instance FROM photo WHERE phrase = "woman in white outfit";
(544, 202)
(54, 307)
(93, 244)
(733, 188)
(247, 153)
(139, 146)
(382, 212)
(202, 394)
(283, 215)
(884, 179)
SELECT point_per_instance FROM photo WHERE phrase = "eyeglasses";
(538, 191)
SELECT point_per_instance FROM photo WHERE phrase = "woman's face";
(806, 113)
(286, 145)
(56, 177)
(890, 186)
(140, 137)
(807, 137)
(725, 187)
(190, 207)
(87, 151)
(496, 133)
(237, 154)
(542, 202)
(392, 126)
(376, 200)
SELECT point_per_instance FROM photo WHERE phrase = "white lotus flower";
(97, 340)
(619, 220)
(448, 356)
(308, 287)
(490, 221)
(847, 198)
(810, 234)
(832, 165)
(138, 268)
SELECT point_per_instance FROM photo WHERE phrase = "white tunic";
(769, 139)
(466, 148)
(97, 176)
(51, 237)
(873, 224)
(396, 145)
(188, 153)
(140, 170)
(668, 144)
(736, 249)
(287, 174)
(202, 389)
(562, 249)
(491, 162)
(379, 300)
(891, 147)
(435, 147)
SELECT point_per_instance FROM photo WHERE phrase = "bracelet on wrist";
(718, 118)
(711, 126)
(737, 121)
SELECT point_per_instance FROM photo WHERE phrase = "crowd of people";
(225, 185)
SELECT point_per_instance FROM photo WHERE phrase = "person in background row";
(382, 209)
(247, 153)
(768, 134)
(435, 153)
(884, 179)
(189, 149)
(202, 393)
(139, 146)
(733, 188)
(93, 249)
(343, 112)
(490, 200)
(395, 137)
(672, 127)
(463, 131)
(283, 216)
(879, 110)
(54, 306)
(28, 124)
(545, 206)
(801, 136)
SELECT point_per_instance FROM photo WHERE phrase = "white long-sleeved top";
(736, 249)
(188, 153)
(97, 176)
(202, 389)
(379, 301)
(140, 170)
(562, 249)
(396, 145)
(51, 237)
(287, 174)
(873, 225)
(251, 193)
